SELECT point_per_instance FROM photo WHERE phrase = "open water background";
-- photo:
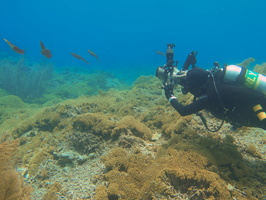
(126, 34)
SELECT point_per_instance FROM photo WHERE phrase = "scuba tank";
(243, 76)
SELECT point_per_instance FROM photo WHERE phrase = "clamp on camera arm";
(166, 72)
(169, 74)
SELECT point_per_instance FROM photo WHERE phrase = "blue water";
(125, 34)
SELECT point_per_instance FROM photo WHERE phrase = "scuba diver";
(233, 93)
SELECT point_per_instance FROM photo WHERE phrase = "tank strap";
(241, 78)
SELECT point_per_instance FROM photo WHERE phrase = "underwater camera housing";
(169, 73)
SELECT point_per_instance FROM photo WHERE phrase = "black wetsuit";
(234, 104)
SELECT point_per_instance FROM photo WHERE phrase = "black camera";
(168, 76)
(169, 73)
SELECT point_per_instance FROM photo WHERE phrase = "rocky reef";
(129, 144)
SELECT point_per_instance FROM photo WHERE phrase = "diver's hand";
(168, 90)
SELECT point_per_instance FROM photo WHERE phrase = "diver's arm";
(194, 107)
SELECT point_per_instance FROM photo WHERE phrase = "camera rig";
(169, 73)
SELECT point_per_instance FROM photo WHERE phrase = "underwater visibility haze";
(127, 33)
(82, 115)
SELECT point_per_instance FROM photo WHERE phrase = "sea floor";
(128, 143)
(80, 181)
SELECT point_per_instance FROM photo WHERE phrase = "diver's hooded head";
(196, 81)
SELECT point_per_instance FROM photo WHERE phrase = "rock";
(70, 158)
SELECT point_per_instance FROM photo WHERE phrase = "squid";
(46, 52)
(93, 54)
(79, 57)
(14, 47)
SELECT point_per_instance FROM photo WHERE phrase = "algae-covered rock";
(176, 126)
(260, 68)
(72, 91)
(38, 157)
(246, 63)
(129, 125)
(11, 183)
(12, 101)
(3, 93)
(182, 163)
(96, 123)
(136, 176)
(53, 192)
(70, 158)
(101, 193)
(84, 142)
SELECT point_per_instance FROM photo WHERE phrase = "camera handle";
(191, 60)
(170, 55)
